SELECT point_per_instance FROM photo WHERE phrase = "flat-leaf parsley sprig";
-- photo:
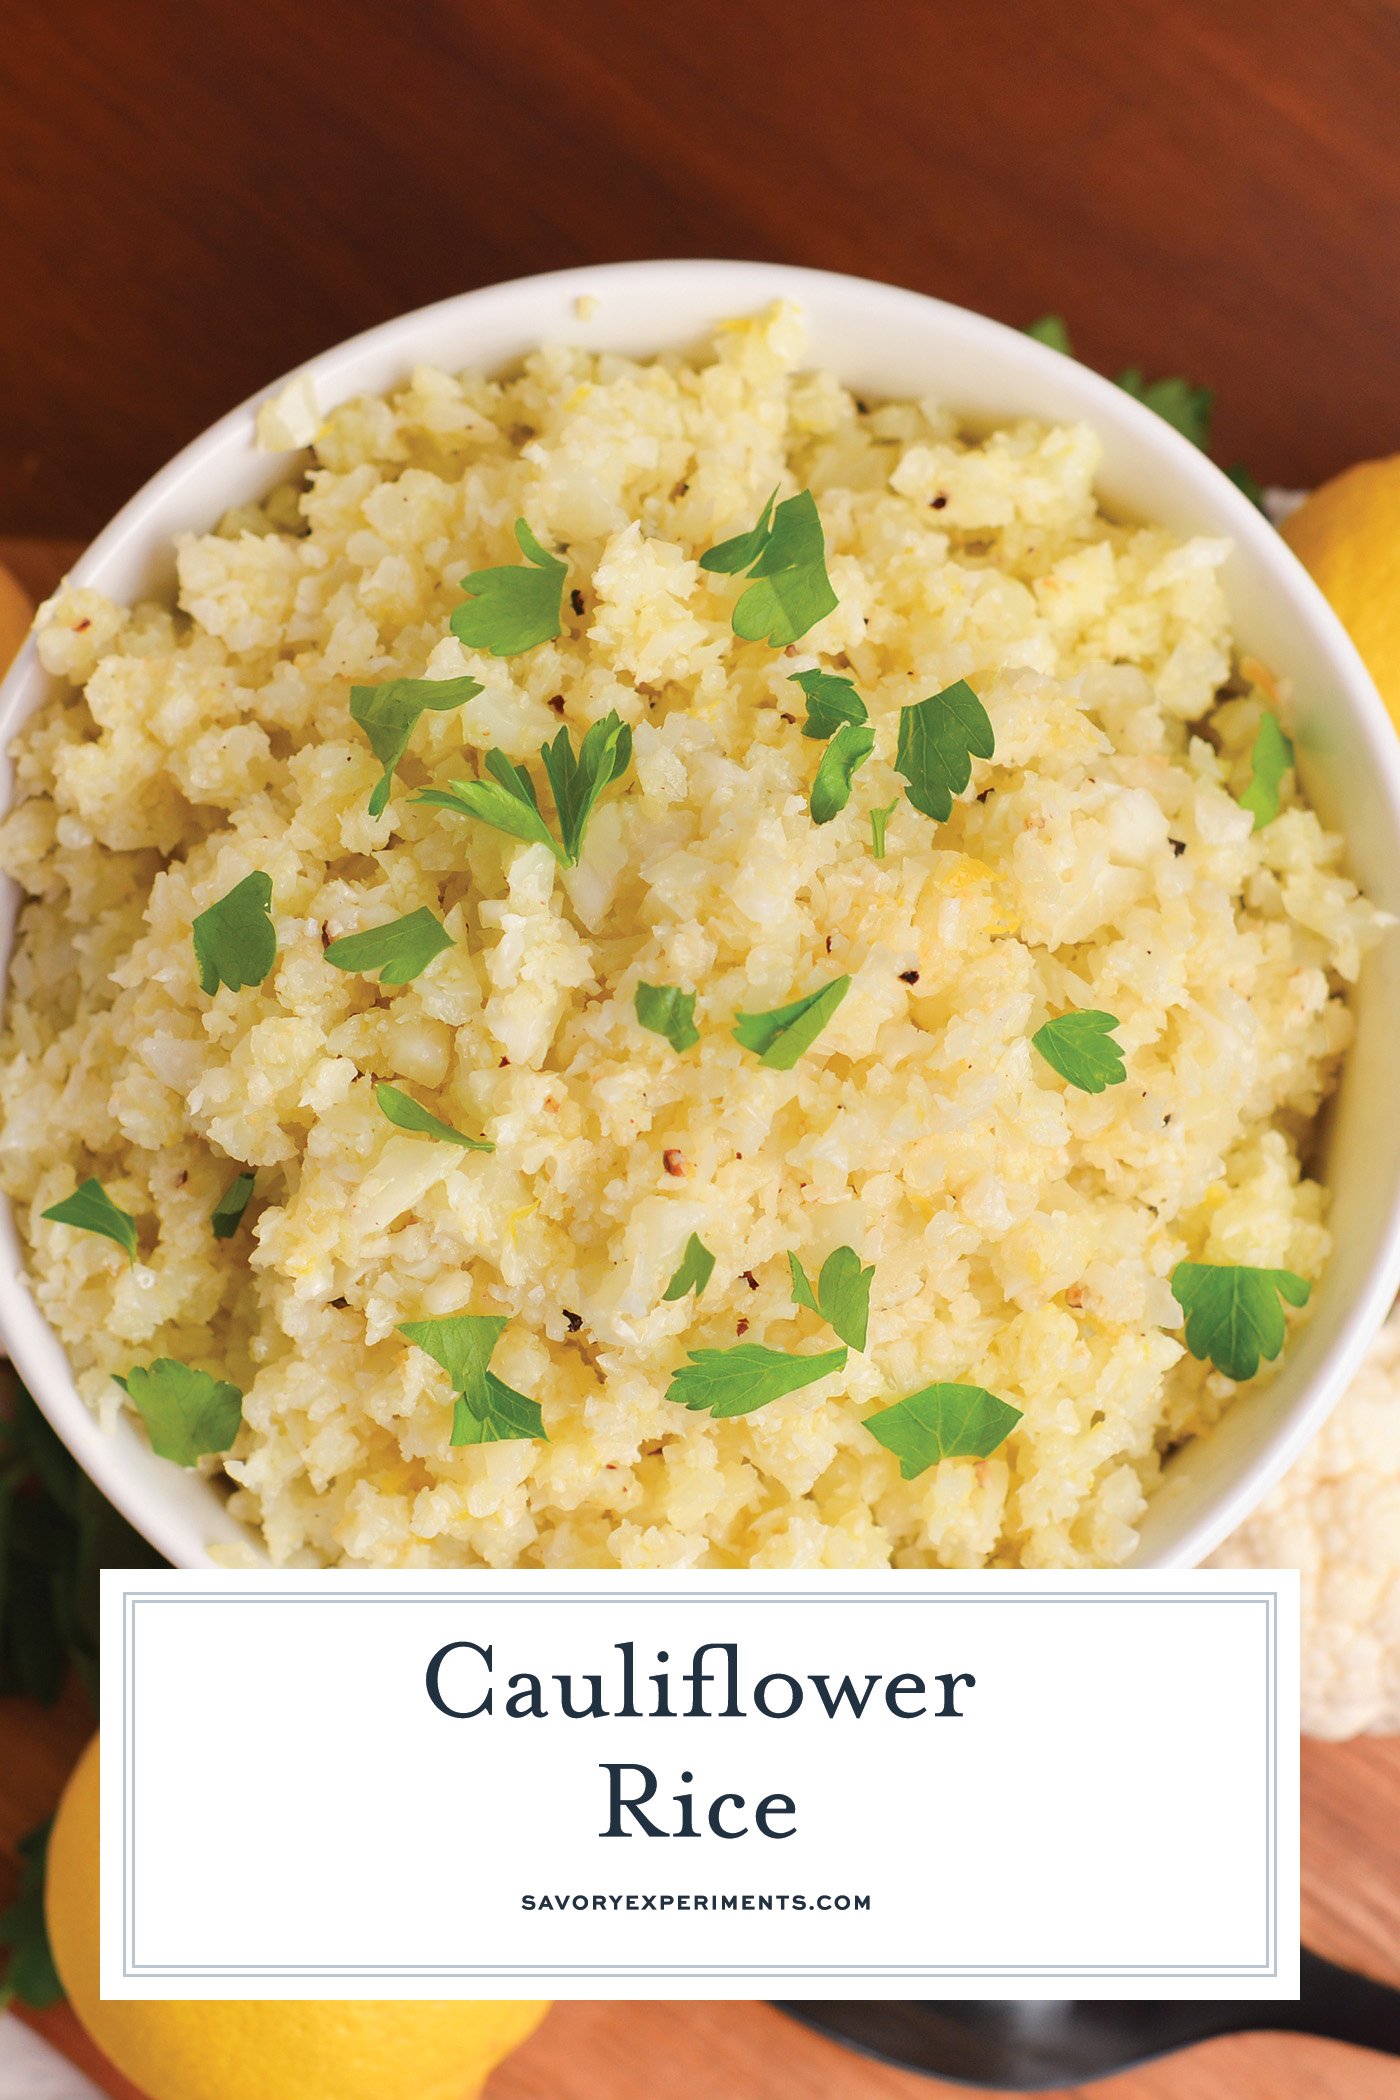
(91, 1209)
(407, 1114)
(187, 1413)
(398, 950)
(938, 740)
(508, 801)
(729, 1382)
(1270, 758)
(1233, 1314)
(1081, 1048)
(666, 1010)
(388, 715)
(513, 609)
(697, 1266)
(842, 1295)
(486, 1410)
(785, 555)
(780, 1036)
(235, 942)
(942, 1421)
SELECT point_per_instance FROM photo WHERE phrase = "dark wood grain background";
(194, 197)
(197, 196)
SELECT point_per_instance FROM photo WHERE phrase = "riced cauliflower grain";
(1023, 1234)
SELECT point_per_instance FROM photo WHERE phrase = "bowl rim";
(183, 1517)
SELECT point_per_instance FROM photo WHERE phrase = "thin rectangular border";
(133, 1970)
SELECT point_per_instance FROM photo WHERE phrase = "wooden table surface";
(197, 198)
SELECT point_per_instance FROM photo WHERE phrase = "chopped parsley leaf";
(235, 942)
(938, 740)
(879, 819)
(388, 714)
(697, 1266)
(942, 1421)
(841, 761)
(1081, 1049)
(187, 1413)
(513, 609)
(486, 1410)
(842, 1295)
(780, 1036)
(789, 589)
(227, 1214)
(398, 950)
(408, 1114)
(508, 802)
(1270, 759)
(91, 1209)
(830, 702)
(729, 1382)
(1233, 1315)
(666, 1010)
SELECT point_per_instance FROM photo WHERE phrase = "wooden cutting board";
(708, 2051)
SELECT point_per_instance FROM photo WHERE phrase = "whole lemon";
(209, 2050)
(1347, 534)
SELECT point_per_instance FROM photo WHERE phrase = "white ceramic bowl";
(881, 341)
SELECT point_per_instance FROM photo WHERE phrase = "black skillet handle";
(1343, 2006)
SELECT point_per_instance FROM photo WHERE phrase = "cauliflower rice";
(1023, 1233)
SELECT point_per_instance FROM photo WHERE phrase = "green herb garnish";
(879, 818)
(28, 1975)
(666, 1010)
(781, 1036)
(696, 1269)
(227, 1214)
(1247, 485)
(235, 942)
(729, 1382)
(732, 557)
(842, 1295)
(1051, 331)
(830, 702)
(398, 950)
(789, 589)
(841, 761)
(1233, 1315)
(508, 802)
(1270, 759)
(486, 1410)
(511, 610)
(938, 740)
(1081, 1048)
(407, 1113)
(56, 1532)
(187, 1413)
(91, 1209)
(388, 715)
(942, 1421)
(1187, 408)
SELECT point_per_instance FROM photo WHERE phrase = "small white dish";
(882, 341)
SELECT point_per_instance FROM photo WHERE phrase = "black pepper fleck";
(909, 976)
(741, 1326)
(750, 1279)
(574, 1321)
(576, 600)
(1178, 846)
(938, 503)
(556, 702)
